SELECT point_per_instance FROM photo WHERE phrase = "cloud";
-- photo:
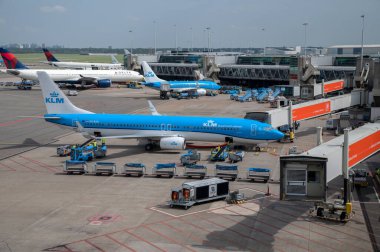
(2, 21)
(53, 8)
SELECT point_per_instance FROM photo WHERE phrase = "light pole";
(208, 38)
(263, 30)
(192, 38)
(130, 32)
(361, 52)
(305, 24)
(176, 37)
(155, 37)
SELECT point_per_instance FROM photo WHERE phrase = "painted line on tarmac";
(200, 211)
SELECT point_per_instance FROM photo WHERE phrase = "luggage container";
(199, 191)
(168, 169)
(137, 169)
(108, 168)
(259, 174)
(226, 171)
(195, 170)
(72, 166)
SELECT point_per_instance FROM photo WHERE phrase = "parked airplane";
(101, 78)
(81, 65)
(152, 81)
(170, 132)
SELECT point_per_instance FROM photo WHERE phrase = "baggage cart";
(226, 171)
(63, 150)
(199, 191)
(191, 157)
(72, 166)
(168, 169)
(108, 168)
(236, 156)
(195, 171)
(259, 174)
(137, 169)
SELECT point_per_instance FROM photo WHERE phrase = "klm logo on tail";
(149, 74)
(54, 98)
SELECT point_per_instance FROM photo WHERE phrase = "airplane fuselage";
(84, 65)
(75, 75)
(182, 85)
(214, 129)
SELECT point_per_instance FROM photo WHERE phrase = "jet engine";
(172, 143)
(201, 91)
(104, 83)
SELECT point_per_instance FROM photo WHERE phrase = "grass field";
(33, 58)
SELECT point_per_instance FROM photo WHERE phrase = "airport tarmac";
(42, 209)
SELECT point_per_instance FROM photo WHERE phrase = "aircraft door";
(166, 127)
(253, 129)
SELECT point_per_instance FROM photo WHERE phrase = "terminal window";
(313, 177)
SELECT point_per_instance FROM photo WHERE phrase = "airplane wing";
(153, 109)
(87, 79)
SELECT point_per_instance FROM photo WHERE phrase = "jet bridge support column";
(319, 136)
(347, 191)
(323, 88)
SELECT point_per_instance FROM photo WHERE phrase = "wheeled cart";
(199, 191)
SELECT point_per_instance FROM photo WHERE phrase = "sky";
(232, 23)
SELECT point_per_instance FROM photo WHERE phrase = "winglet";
(114, 60)
(153, 109)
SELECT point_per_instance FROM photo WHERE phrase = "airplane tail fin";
(126, 52)
(149, 75)
(49, 56)
(55, 100)
(114, 60)
(10, 60)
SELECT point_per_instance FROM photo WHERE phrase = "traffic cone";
(268, 192)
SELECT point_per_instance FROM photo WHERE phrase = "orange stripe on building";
(334, 86)
(363, 148)
(311, 111)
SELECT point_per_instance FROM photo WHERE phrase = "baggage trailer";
(259, 174)
(137, 169)
(191, 157)
(226, 171)
(199, 191)
(195, 170)
(236, 156)
(168, 169)
(100, 168)
(72, 166)
(63, 150)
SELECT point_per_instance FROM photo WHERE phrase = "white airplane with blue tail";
(152, 81)
(169, 132)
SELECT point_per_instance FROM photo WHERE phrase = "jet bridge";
(310, 109)
(306, 175)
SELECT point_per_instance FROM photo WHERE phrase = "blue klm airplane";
(152, 81)
(169, 132)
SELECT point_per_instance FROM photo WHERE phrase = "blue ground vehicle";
(220, 153)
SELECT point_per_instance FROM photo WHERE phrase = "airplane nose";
(277, 134)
